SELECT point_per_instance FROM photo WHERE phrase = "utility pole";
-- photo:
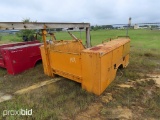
(128, 26)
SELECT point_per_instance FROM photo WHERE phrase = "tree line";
(96, 27)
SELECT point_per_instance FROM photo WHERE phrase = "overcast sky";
(96, 12)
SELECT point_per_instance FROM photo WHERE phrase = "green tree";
(96, 27)
(27, 33)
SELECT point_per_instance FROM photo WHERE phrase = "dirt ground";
(97, 111)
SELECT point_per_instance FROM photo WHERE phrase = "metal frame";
(46, 25)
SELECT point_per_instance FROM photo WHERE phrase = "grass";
(10, 37)
(65, 99)
(49, 102)
(140, 39)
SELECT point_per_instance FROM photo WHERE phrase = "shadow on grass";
(12, 83)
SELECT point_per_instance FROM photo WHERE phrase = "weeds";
(152, 106)
(66, 101)
(2, 72)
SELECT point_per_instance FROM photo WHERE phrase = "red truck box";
(19, 57)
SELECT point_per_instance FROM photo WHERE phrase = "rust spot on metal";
(95, 48)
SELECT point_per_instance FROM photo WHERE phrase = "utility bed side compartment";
(91, 73)
(100, 64)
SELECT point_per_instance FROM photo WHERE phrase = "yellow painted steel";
(95, 68)
(100, 64)
(45, 55)
(64, 58)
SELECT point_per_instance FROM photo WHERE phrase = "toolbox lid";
(107, 46)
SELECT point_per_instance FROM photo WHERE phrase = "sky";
(96, 12)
